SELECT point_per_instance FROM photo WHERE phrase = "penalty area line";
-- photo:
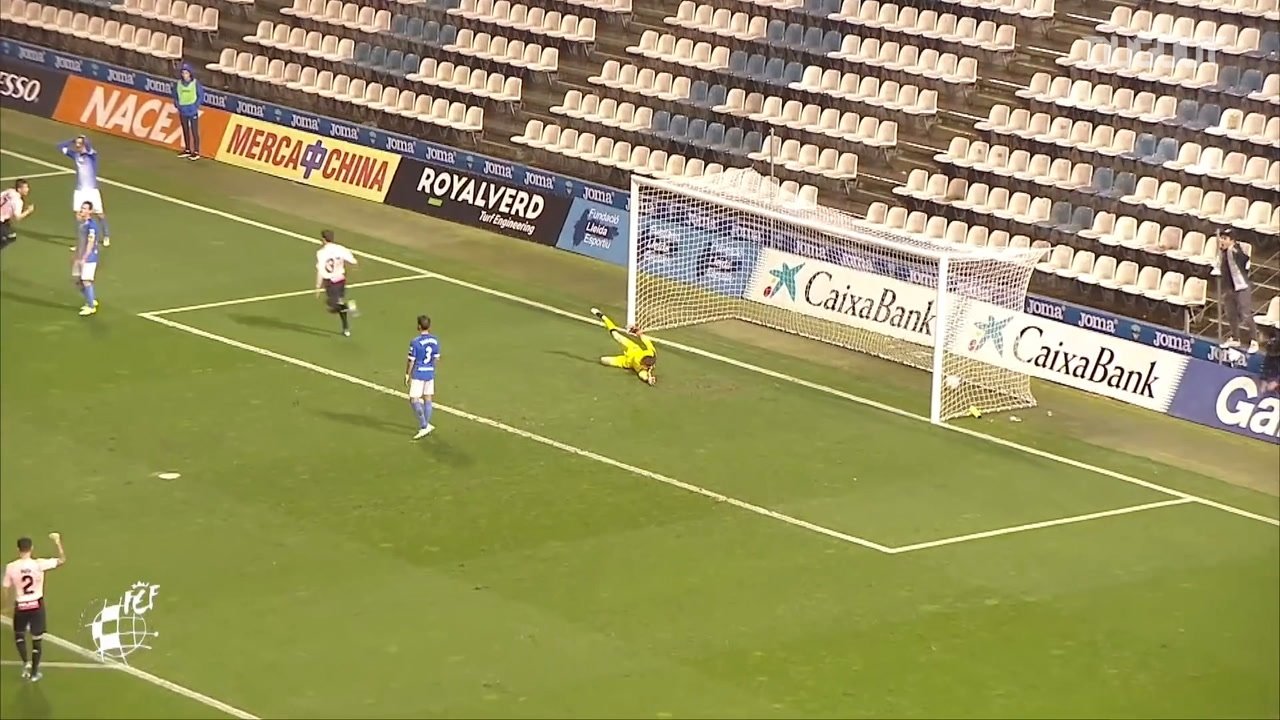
(1039, 525)
(282, 295)
(33, 176)
(525, 434)
(817, 387)
(145, 676)
(62, 665)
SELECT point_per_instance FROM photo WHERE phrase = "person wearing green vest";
(188, 96)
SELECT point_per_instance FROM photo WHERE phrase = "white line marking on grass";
(866, 402)
(1038, 525)
(33, 176)
(278, 296)
(64, 665)
(525, 434)
(145, 676)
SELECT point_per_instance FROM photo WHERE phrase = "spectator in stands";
(1234, 291)
(188, 95)
(1271, 364)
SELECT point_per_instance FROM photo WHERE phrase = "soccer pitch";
(771, 532)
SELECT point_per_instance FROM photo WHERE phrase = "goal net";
(739, 246)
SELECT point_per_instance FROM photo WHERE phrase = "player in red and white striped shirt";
(25, 578)
(331, 277)
(13, 206)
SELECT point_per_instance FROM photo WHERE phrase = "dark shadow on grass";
(270, 323)
(36, 301)
(438, 448)
(66, 241)
(575, 356)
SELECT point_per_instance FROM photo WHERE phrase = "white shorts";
(80, 197)
(422, 388)
(84, 272)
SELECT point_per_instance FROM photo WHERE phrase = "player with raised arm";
(84, 268)
(85, 158)
(13, 207)
(638, 353)
(331, 278)
(24, 577)
(420, 374)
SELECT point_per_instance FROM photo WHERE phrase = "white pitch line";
(278, 296)
(63, 665)
(866, 402)
(525, 434)
(145, 676)
(33, 176)
(1038, 525)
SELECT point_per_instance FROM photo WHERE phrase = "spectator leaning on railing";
(1234, 291)
(188, 95)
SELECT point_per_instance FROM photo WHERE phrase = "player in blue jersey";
(420, 374)
(85, 265)
(85, 158)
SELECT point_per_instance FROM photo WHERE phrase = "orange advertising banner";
(128, 113)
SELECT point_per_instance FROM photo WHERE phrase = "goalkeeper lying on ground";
(638, 353)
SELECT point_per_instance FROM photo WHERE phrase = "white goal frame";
(953, 262)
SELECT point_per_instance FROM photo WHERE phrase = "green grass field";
(753, 538)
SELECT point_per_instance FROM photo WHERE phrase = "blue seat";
(830, 7)
(773, 70)
(831, 42)
(660, 122)
(1125, 184)
(696, 132)
(1101, 183)
(1059, 214)
(1208, 117)
(399, 23)
(714, 137)
(361, 54)
(1081, 218)
(1185, 113)
(447, 5)
(431, 33)
(717, 96)
(413, 30)
(813, 7)
(698, 93)
(752, 142)
(677, 129)
(1144, 146)
(731, 143)
(738, 63)
(377, 58)
(1250, 82)
(448, 35)
(812, 40)
(1228, 76)
(774, 32)
(394, 63)
(755, 67)
(793, 73)
(410, 65)
(793, 39)
(1166, 151)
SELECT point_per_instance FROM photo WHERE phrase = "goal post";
(738, 245)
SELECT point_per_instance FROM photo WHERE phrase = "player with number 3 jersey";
(420, 374)
(331, 278)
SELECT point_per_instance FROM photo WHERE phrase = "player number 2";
(28, 583)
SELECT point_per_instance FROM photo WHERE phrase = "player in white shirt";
(331, 278)
(24, 577)
(13, 207)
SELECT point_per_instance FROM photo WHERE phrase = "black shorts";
(335, 294)
(6, 231)
(32, 620)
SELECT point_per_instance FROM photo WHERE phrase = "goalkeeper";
(638, 353)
